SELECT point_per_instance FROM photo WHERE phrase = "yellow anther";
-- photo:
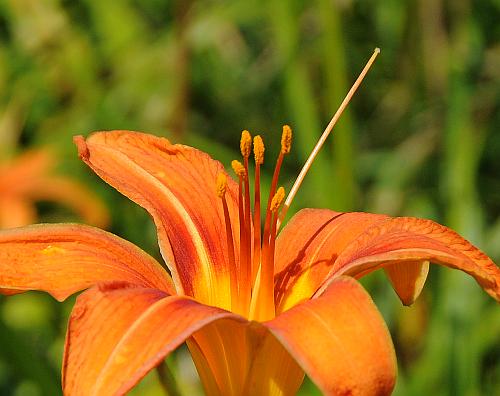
(277, 199)
(286, 139)
(221, 184)
(246, 144)
(238, 168)
(258, 150)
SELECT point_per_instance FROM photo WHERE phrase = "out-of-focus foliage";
(420, 138)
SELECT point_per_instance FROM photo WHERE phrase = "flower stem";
(167, 380)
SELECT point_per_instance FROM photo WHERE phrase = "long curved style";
(251, 328)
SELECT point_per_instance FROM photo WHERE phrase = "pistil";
(324, 136)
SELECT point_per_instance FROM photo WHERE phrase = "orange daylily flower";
(30, 178)
(257, 310)
(253, 327)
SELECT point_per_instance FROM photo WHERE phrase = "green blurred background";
(420, 138)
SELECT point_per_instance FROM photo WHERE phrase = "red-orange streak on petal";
(340, 340)
(117, 335)
(407, 239)
(176, 184)
(307, 247)
(65, 258)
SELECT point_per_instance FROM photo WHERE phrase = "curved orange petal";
(118, 333)
(17, 174)
(71, 194)
(64, 258)
(274, 371)
(308, 246)
(340, 340)
(15, 212)
(405, 240)
(243, 358)
(177, 185)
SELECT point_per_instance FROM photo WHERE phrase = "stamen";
(286, 144)
(221, 185)
(246, 144)
(324, 136)
(286, 139)
(277, 199)
(262, 305)
(244, 270)
(258, 150)
(221, 193)
(238, 168)
(246, 261)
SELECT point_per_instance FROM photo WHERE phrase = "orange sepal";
(308, 246)
(176, 184)
(117, 333)
(402, 240)
(64, 258)
(340, 340)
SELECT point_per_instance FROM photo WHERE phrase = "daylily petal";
(177, 185)
(221, 355)
(307, 248)
(405, 240)
(16, 175)
(28, 177)
(408, 280)
(243, 358)
(272, 361)
(340, 340)
(71, 194)
(118, 333)
(65, 258)
(15, 212)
